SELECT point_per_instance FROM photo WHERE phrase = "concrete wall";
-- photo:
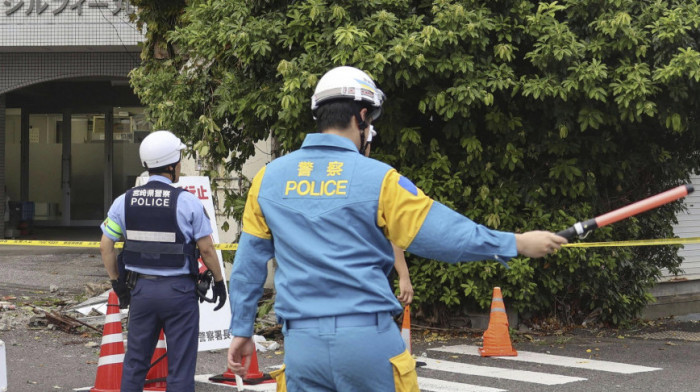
(2, 165)
(689, 226)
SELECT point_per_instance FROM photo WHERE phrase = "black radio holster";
(131, 279)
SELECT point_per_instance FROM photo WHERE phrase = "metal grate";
(677, 335)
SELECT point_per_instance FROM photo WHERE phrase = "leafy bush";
(522, 115)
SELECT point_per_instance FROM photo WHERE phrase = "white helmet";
(349, 83)
(160, 148)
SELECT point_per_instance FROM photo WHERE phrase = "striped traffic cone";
(406, 332)
(406, 328)
(111, 362)
(157, 375)
(497, 337)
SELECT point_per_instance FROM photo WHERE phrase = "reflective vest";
(153, 237)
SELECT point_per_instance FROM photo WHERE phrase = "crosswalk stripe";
(496, 372)
(433, 385)
(556, 360)
(425, 384)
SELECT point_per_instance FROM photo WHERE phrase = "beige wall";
(189, 167)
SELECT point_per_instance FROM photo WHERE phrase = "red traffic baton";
(582, 228)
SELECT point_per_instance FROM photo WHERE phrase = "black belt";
(156, 277)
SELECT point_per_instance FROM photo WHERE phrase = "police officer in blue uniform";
(162, 227)
(329, 215)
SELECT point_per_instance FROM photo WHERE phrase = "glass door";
(130, 128)
(71, 166)
(87, 169)
(45, 177)
(13, 154)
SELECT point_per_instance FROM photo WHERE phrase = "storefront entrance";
(72, 160)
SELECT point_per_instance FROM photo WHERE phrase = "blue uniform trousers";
(348, 353)
(168, 303)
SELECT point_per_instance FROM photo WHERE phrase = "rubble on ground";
(56, 310)
(52, 310)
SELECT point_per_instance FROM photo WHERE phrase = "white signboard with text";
(213, 326)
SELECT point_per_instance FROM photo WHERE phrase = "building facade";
(689, 226)
(69, 122)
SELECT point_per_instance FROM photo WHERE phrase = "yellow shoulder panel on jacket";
(253, 219)
(402, 209)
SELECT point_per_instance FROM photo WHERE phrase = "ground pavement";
(659, 355)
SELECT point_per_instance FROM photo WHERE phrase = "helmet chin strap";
(171, 170)
(362, 125)
(172, 173)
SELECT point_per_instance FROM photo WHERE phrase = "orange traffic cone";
(406, 333)
(155, 379)
(497, 338)
(406, 328)
(111, 362)
(253, 377)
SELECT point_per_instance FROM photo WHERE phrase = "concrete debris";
(38, 321)
(95, 306)
(60, 321)
(95, 289)
(262, 345)
(55, 314)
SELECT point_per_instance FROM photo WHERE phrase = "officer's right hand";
(240, 349)
(122, 292)
(219, 293)
(538, 243)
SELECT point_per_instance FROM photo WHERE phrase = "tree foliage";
(522, 115)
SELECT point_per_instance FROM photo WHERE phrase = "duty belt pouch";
(131, 279)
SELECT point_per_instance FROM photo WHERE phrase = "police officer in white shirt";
(162, 227)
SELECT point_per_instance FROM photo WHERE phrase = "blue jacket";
(328, 214)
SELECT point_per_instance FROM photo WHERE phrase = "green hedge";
(519, 114)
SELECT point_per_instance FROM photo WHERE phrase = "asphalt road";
(41, 359)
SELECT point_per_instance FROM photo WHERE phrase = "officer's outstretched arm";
(538, 243)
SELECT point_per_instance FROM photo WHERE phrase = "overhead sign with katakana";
(68, 23)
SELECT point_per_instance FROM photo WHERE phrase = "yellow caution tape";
(226, 246)
(86, 244)
(67, 244)
(660, 241)
(95, 244)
